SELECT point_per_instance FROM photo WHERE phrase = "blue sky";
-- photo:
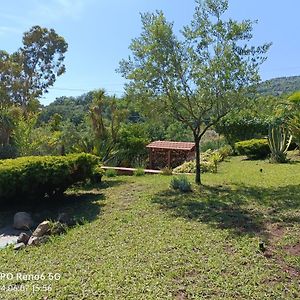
(99, 32)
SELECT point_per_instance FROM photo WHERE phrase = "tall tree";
(200, 77)
(106, 119)
(26, 74)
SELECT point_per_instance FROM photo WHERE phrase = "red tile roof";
(186, 146)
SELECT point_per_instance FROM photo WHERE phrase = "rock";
(23, 238)
(19, 246)
(64, 218)
(58, 228)
(22, 220)
(42, 229)
(37, 241)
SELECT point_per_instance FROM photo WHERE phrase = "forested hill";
(75, 108)
(280, 85)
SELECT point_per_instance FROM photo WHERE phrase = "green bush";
(181, 183)
(208, 163)
(213, 144)
(241, 127)
(225, 151)
(255, 148)
(35, 177)
(139, 172)
(97, 174)
(111, 173)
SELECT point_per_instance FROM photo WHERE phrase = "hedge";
(255, 148)
(38, 176)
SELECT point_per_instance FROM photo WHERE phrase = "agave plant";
(279, 139)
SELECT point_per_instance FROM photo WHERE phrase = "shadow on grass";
(104, 184)
(242, 209)
(82, 207)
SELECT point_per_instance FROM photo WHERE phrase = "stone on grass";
(23, 238)
(37, 241)
(42, 229)
(22, 220)
(19, 246)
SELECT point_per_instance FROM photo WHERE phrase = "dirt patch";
(275, 232)
(293, 249)
(293, 272)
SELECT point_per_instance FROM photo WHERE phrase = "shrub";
(255, 148)
(139, 172)
(111, 173)
(97, 174)
(208, 163)
(166, 171)
(241, 127)
(213, 144)
(181, 183)
(225, 151)
(38, 176)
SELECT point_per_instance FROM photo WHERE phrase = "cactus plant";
(279, 140)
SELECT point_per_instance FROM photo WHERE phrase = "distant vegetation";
(280, 86)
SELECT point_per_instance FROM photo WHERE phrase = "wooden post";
(150, 158)
(169, 159)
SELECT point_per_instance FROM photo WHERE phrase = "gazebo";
(169, 154)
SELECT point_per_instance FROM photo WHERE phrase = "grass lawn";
(143, 241)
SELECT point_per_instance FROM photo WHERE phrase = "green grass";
(141, 240)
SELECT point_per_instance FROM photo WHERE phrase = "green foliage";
(254, 149)
(111, 173)
(241, 128)
(280, 86)
(293, 118)
(139, 172)
(97, 174)
(213, 144)
(28, 73)
(73, 109)
(106, 116)
(177, 74)
(131, 146)
(225, 151)
(178, 132)
(36, 177)
(166, 171)
(181, 183)
(208, 162)
(279, 140)
(295, 97)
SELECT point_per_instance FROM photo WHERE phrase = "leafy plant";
(166, 171)
(97, 174)
(209, 162)
(254, 149)
(181, 183)
(139, 172)
(279, 140)
(110, 173)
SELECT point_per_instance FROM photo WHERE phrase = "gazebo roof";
(184, 146)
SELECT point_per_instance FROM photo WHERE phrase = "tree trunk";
(198, 168)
